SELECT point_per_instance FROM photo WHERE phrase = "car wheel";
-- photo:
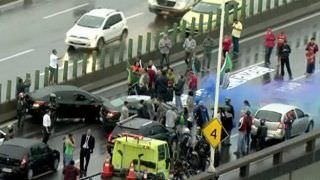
(55, 165)
(100, 44)
(30, 174)
(124, 35)
(310, 127)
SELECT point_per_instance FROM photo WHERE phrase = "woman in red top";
(227, 43)
(269, 42)
(136, 67)
(310, 56)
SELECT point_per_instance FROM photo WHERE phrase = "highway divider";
(93, 70)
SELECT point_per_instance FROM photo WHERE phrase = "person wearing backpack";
(248, 119)
(262, 135)
(243, 133)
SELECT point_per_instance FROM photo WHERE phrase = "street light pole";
(217, 90)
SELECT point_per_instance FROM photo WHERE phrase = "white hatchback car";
(96, 28)
(274, 115)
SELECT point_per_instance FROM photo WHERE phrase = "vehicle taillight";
(110, 137)
(24, 161)
(37, 104)
(281, 125)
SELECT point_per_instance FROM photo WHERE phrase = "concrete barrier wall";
(253, 23)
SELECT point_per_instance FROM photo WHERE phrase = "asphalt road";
(28, 34)
(258, 91)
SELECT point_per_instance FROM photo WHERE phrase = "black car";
(22, 158)
(144, 127)
(72, 103)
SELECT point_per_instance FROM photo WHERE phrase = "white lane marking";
(282, 26)
(16, 55)
(65, 11)
(135, 15)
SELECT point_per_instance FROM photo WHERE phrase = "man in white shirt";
(124, 111)
(171, 117)
(236, 33)
(165, 46)
(46, 124)
(189, 46)
(53, 66)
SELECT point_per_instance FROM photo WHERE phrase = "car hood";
(81, 31)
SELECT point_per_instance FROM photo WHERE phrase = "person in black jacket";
(284, 53)
(178, 90)
(162, 86)
(86, 148)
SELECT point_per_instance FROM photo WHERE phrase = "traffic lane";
(50, 33)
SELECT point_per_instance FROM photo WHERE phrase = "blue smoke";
(303, 94)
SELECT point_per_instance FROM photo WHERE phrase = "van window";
(162, 152)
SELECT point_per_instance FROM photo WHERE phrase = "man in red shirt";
(269, 42)
(311, 58)
(227, 43)
(281, 38)
(152, 77)
(193, 82)
(71, 172)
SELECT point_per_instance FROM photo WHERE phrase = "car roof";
(22, 142)
(145, 141)
(217, 1)
(279, 108)
(134, 98)
(137, 123)
(103, 12)
(52, 89)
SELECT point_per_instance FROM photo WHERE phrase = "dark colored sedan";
(25, 158)
(72, 103)
(144, 127)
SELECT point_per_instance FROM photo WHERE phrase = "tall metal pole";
(217, 90)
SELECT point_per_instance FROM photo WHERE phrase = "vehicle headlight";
(152, 2)
(110, 114)
(181, 4)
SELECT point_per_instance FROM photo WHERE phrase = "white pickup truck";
(171, 7)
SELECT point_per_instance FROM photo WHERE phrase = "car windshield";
(12, 151)
(270, 116)
(90, 21)
(204, 7)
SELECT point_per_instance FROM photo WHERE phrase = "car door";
(38, 159)
(301, 121)
(82, 104)
(65, 104)
(110, 27)
(162, 158)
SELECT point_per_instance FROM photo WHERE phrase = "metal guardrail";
(276, 151)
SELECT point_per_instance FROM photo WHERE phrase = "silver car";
(275, 113)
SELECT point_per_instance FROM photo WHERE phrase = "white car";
(274, 115)
(96, 28)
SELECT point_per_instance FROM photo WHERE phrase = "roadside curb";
(11, 5)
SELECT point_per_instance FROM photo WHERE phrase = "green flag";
(225, 72)
(226, 65)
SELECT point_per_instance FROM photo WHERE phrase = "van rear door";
(163, 160)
